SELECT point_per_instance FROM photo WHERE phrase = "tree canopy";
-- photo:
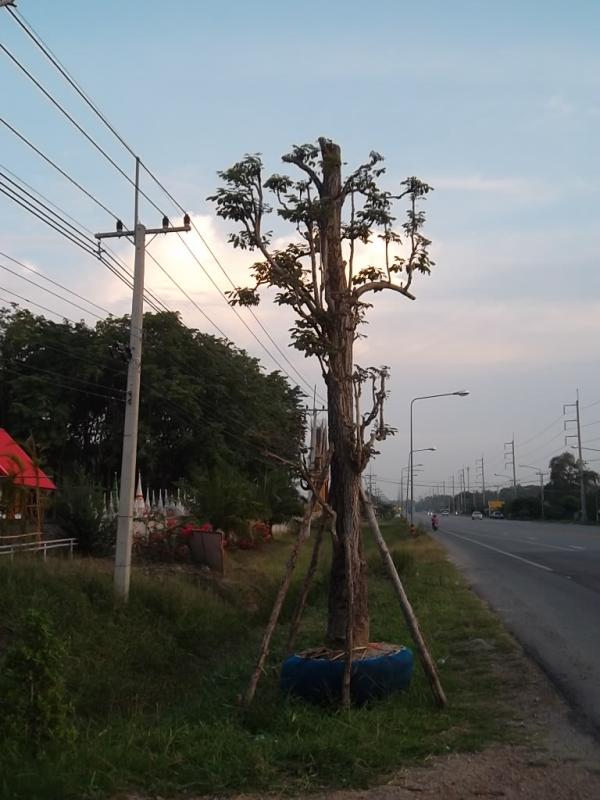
(204, 402)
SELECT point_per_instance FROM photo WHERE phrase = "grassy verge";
(154, 685)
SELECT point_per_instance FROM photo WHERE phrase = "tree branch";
(291, 159)
(377, 286)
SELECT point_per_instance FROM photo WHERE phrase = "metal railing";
(37, 547)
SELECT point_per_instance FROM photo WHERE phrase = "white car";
(476, 515)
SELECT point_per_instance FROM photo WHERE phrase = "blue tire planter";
(319, 680)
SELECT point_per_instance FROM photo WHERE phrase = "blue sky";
(497, 105)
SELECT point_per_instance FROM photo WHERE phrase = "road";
(543, 579)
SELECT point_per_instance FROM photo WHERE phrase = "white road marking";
(568, 548)
(502, 552)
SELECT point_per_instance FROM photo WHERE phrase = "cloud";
(560, 105)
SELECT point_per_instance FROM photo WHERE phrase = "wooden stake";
(281, 594)
(307, 583)
(409, 615)
(349, 643)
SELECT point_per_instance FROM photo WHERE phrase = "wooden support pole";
(281, 594)
(349, 643)
(409, 615)
(306, 585)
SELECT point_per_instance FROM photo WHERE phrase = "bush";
(34, 708)
(78, 509)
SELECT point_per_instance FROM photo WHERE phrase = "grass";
(154, 684)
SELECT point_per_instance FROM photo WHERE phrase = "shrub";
(34, 708)
(78, 509)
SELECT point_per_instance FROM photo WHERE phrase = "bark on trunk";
(344, 494)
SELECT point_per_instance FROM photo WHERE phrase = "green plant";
(78, 509)
(34, 708)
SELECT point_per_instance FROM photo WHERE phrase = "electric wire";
(59, 169)
(183, 291)
(54, 283)
(535, 436)
(232, 284)
(61, 385)
(31, 209)
(59, 229)
(236, 426)
(63, 377)
(41, 45)
(39, 42)
(237, 314)
(63, 111)
(49, 291)
(37, 39)
(50, 217)
(33, 303)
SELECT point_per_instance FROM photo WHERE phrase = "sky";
(496, 105)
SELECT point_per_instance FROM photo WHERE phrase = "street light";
(460, 393)
(541, 474)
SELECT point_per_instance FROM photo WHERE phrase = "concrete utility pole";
(577, 435)
(469, 498)
(510, 455)
(122, 573)
(481, 467)
(453, 496)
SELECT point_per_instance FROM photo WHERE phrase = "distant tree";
(524, 508)
(316, 275)
(563, 488)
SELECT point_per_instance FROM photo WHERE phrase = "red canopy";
(16, 464)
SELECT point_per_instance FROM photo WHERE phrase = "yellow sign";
(496, 505)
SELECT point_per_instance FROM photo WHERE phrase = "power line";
(71, 378)
(590, 405)
(65, 386)
(53, 282)
(63, 111)
(49, 291)
(37, 40)
(550, 425)
(231, 283)
(237, 314)
(182, 290)
(523, 456)
(59, 169)
(81, 243)
(33, 303)
(65, 228)
(31, 209)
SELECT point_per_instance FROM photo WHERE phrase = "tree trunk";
(344, 493)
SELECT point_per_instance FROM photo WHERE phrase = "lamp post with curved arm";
(461, 393)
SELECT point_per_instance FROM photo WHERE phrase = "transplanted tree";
(316, 274)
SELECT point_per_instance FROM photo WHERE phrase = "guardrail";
(37, 547)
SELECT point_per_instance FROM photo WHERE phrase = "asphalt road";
(544, 582)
